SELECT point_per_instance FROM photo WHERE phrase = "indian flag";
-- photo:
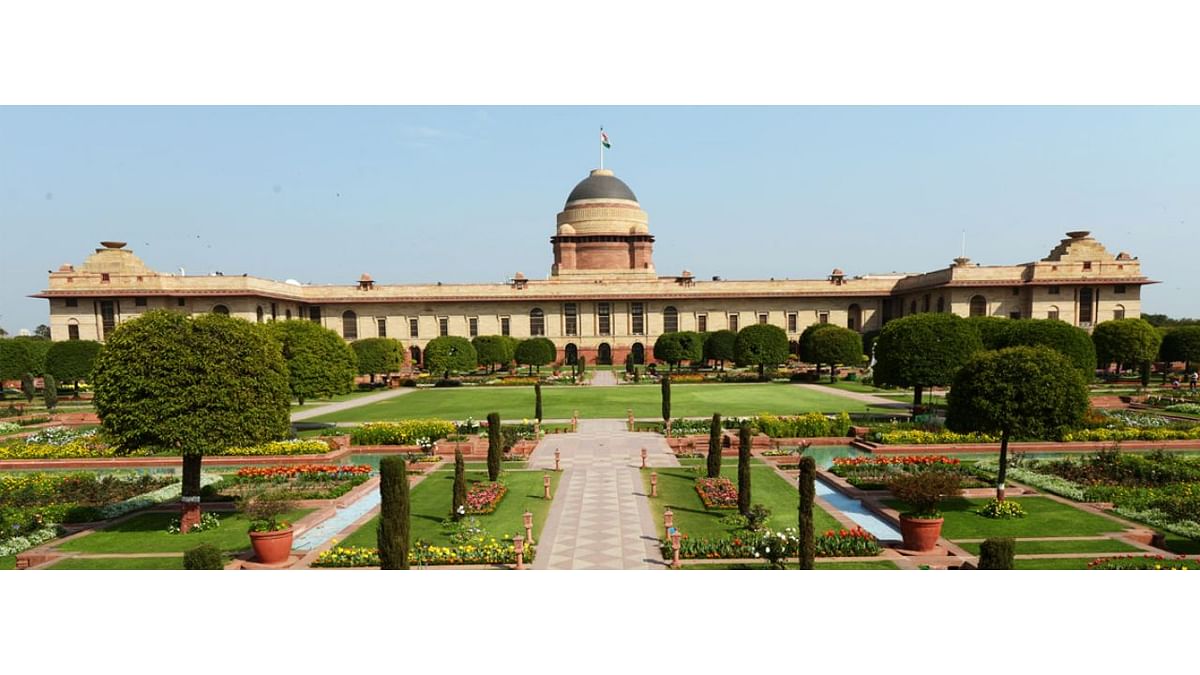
(604, 139)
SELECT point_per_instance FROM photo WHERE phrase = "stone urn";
(271, 548)
(920, 534)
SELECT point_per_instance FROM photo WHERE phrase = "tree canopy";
(761, 345)
(718, 346)
(924, 350)
(677, 347)
(378, 355)
(536, 351)
(72, 360)
(1072, 342)
(22, 354)
(1018, 392)
(450, 354)
(992, 330)
(1181, 344)
(1126, 342)
(835, 346)
(806, 341)
(494, 350)
(319, 362)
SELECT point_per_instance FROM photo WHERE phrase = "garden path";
(604, 378)
(869, 399)
(600, 518)
(317, 411)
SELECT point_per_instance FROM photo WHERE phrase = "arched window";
(259, 313)
(941, 304)
(537, 321)
(978, 306)
(604, 356)
(571, 353)
(1052, 312)
(415, 354)
(639, 353)
(670, 319)
(220, 309)
(72, 329)
(349, 325)
(854, 317)
(1119, 312)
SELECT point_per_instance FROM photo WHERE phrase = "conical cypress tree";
(714, 447)
(744, 469)
(495, 446)
(457, 509)
(666, 397)
(27, 387)
(392, 534)
(808, 495)
(50, 391)
(537, 397)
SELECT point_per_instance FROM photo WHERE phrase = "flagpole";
(601, 148)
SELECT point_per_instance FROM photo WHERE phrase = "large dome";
(601, 184)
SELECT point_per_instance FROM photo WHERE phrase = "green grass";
(147, 563)
(1053, 564)
(514, 403)
(431, 505)
(1044, 518)
(847, 385)
(1070, 546)
(1182, 545)
(147, 533)
(676, 487)
(310, 402)
(852, 565)
(8, 562)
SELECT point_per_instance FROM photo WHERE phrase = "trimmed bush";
(997, 553)
(72, 360)
(459, 504)
(761, 345)
(404, 432)
(666, 398)
(450, 354)
(714, 447)
(495, 446)
(27, 387)
(808, 494)
(743, 473)
(203, 557)
(319, 362)
(50, 392)
(378, 356)
(537, 401)
(392, 534)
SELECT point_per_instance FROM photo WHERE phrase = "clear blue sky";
(422, 194)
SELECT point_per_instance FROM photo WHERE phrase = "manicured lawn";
(8, 562)
(1077, 546)
(146, 563)
(147, 533)
(1044, 518)
(1182, 545)
(677, 488)
(431, 501)
(859, 387)
(310, 402)
(559, 402)
(1053, 564)
(852, 565)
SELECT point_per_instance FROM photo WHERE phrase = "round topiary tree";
(394, 514)
(805, 342)
(992, 330)
(493, 350)
(761, 345)
(714, 447)
(1072, 342)
(319, 362)
(836, 345)
(535, 352)
(1181, 344)
(718, 346)
(924, 350)
(191, 385)
(1126, 342)
(668, 349)
(378, 356)
(72, 361)
(1021, 392)
(450, 354)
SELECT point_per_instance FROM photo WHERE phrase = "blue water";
(824, 455)
(339, 521)
(858, 513)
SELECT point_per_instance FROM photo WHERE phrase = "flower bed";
(855, 542)
(845, 465)
(1145, 562)
(485, 497)
(9, 427)
(924, 437)
(479, 551)
(874, 472)
(64, 443)
(1133, 434)
(1187, 408)
(404, 432)
(293, 447)
(305, 481)
(717, 493)
(808, 425)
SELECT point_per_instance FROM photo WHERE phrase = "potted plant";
(270, 534)
(923, 491)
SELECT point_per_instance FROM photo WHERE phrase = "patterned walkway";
(600, 518)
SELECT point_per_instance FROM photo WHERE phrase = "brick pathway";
(601, 516)
(604, 378)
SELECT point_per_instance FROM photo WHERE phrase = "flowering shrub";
(806, 425)
(208, 521)
(847, 543)
(854, 542)
(348, 556)
(1145, 562)
(1189, 408)
(9, 427)
(293, 447)
(513, 382)
(717, 493)
(307, 471)
(923, 437)
(485, 497)
(1150, 434)
(15, 545)
(1128, 419)
(994, 508)
(774, 547)
(842, 464)
(687, 378)
(482, 550)
(304, 481)
(58, 436)
(404, 432)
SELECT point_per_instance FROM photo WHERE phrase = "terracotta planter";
(920, 534)
(272, 547)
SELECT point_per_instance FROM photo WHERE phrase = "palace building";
(603, 298)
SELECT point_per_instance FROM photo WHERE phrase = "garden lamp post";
(653, 483)
(529, 527)
(545, 486)
(675, 537)
(643, 458)
(519, 547)
(669, 519)
(557, 458)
